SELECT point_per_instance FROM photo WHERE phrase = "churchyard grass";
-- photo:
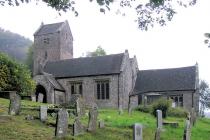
(117, 127)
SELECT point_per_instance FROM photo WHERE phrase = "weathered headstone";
(157, 134)
(159, 118)
(120, 110)
(93, 115)
(193, 117)
(33, 98)
(29, 117)
(43, 113)
(40, 97)
(101, 124)
(15, 103)
(137, 132)
(77, 127)
(61, 123)
(187, 130)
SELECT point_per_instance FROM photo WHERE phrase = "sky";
(178, 44)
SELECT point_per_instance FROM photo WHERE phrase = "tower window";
(46, 40)
(45, 55)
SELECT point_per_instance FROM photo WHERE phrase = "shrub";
(177, 112)
(161, 104)
(145, 109)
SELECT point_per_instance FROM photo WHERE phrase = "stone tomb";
(93, 115)
(137, 131)
(15, 103)
(61, 123)
(159, 119)
(43, 113)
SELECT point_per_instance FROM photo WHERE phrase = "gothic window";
(177, 100)
(45, 55)
(46, 41)
(102, 90)
(76, 88)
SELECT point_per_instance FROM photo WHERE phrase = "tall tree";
(148, 13)
(29, 59)
(204, 96)
(98, 52)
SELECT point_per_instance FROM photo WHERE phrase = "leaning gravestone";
(61, 123)
(93, 115)
(40, 97)
(77, 127)
(137, 132)
(15, 103)
(187, 130)
(159, 119)
(43, 113)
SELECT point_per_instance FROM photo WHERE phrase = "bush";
(161, 104)
(145, 109)
(177, 112)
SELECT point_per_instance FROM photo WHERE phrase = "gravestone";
(101, 124)
(43, 113)
(29, 118)
(157, 134)
(40, 97)
(77, 127)
(159, 118)
(33, 98)
(187, 130)
(193, 117)
(61, 123)
(93, 115)
(15, 103)
(137, 132)
(120, 110)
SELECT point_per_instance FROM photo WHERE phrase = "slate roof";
(85, 66)
(54, 83)
(174, 79)
(48, 28)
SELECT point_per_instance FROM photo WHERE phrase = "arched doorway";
(41, 90)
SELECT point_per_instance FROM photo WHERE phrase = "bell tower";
(52, 42)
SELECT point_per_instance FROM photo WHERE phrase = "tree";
(148, 14)
(98, 52)
(204, 92)
(15, 76)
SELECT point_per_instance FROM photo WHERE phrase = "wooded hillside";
(14, 45)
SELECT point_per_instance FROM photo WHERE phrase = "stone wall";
(89, 90)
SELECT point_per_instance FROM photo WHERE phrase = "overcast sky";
(180, 43)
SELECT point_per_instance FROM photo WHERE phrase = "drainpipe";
(118, 90)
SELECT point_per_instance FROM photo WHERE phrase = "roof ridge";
(86, 57)
(168, 68)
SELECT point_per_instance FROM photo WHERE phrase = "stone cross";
(93, 115)
(15, 103)
(159, 119)
(61, 123)
(101, 124)
(77, 127)
(40, 97)
(43, 113)
(137, 132)
(187, 130)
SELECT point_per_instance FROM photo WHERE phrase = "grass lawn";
(118, 127)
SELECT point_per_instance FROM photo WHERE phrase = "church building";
(110, 81)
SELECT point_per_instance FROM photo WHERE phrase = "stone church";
(110, 81)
